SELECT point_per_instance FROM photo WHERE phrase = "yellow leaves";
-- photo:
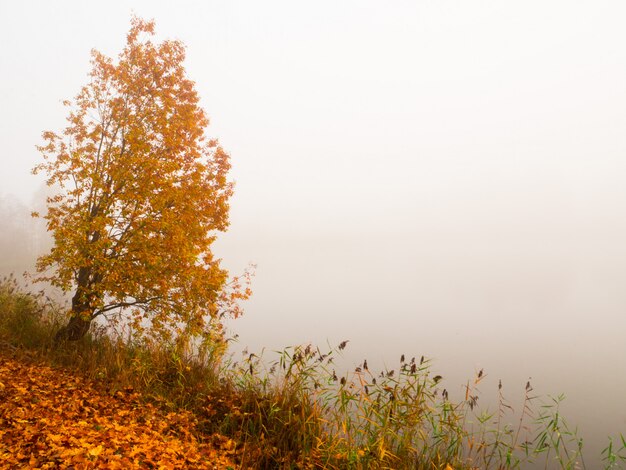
(56, 438)
(95, 451)
(144, 191)
(44, 423)
(229, 445)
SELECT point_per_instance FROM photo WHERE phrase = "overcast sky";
(445, 177)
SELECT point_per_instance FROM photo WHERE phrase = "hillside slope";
(50, 418)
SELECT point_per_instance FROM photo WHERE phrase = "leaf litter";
(50, 418)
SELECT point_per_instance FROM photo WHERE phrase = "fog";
(22, 237)
(440, 178)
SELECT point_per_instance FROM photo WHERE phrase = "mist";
(22, 238)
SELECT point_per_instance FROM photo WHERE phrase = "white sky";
(442, 176)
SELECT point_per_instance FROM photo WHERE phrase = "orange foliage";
(142, 193)
(52, 419)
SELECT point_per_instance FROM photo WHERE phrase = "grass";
(296, 410)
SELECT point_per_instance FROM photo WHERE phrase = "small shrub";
(26, 320)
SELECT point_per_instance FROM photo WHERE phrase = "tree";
(143, 192)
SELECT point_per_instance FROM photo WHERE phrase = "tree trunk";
(80, 319)
(76, 328)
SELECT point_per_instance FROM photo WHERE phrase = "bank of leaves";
(297, 411)
(50, 418)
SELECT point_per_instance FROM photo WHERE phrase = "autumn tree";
(142, 193)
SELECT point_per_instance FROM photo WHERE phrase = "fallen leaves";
(50, 418)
